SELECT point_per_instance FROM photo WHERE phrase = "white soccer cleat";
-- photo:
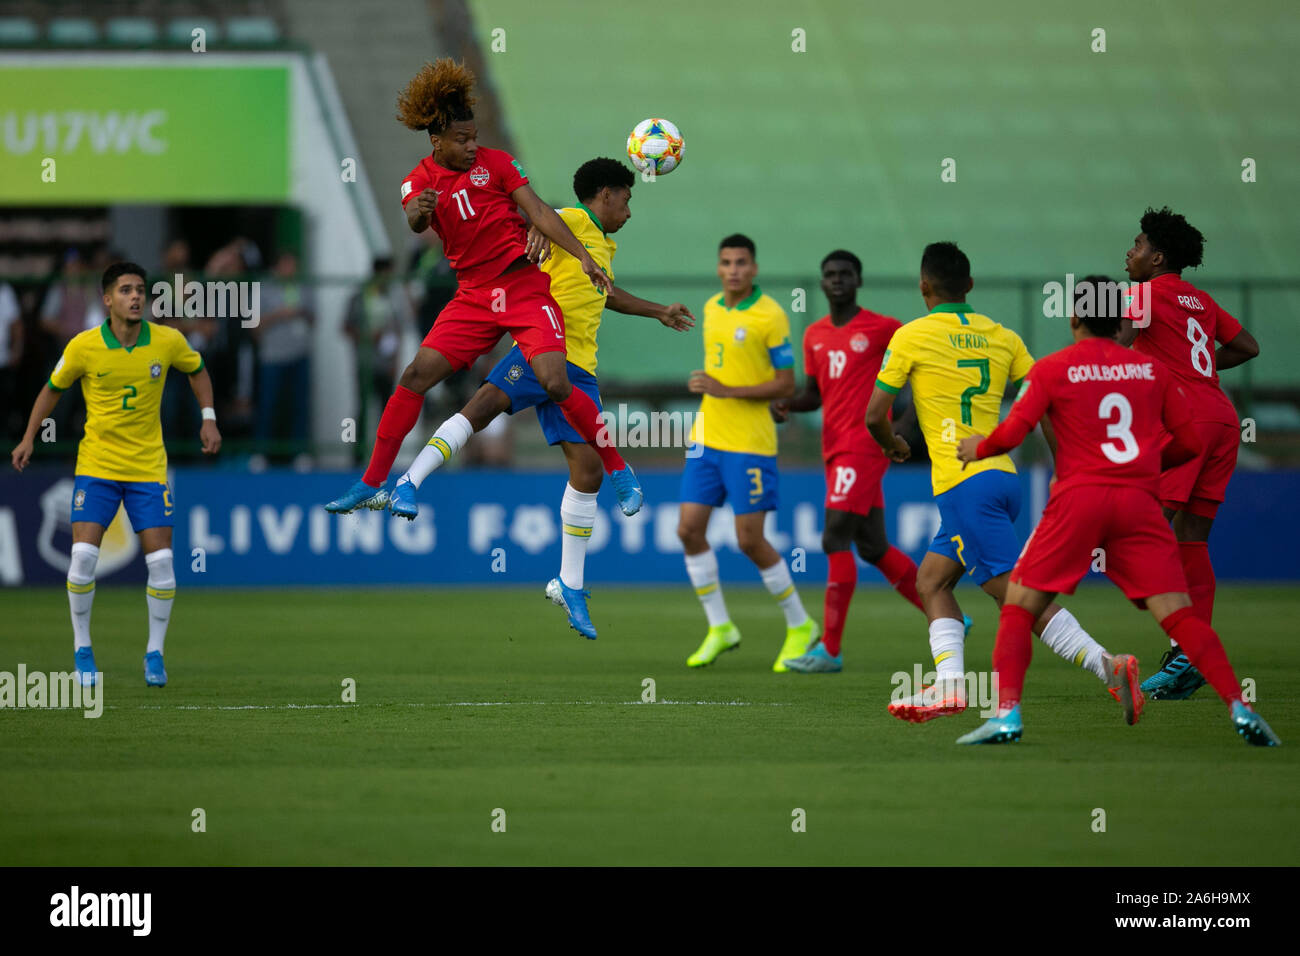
(942, 699)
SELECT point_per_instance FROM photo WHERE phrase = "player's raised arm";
(549, 223)
(201, 383)
(41, 408)
(675, 316)
(419, 210)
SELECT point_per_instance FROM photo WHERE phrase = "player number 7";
(980, 389)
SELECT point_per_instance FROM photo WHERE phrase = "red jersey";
(479, 225)
(1181, 327)
(845, 360)
(1110, 410)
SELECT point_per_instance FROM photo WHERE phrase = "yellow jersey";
(580, 301)
(958, 362)
(744, 345)
(123, 389)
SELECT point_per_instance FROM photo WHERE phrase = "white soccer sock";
(779, 584)
(81, 590)
(1067, 639)
(577, 518)
(159, 594)
(446, 441)
(948, 647)
(702, 569)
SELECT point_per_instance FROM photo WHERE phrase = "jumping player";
(1177, 324)
(469, 195)
(959, 362)
(841, 356)
(122, 366)
(748, 362)
(603, 188)
(1110, 411)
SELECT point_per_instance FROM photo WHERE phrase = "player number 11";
(462, 203)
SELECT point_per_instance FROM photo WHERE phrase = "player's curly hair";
(439, 95)
(1171, 233)
(595, 174)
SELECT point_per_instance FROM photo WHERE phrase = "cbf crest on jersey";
(516, 371)
(859, 342)
(79, 500)
(479, 176)
(740, 334)
(155, 369)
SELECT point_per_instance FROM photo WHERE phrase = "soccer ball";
(656, 147)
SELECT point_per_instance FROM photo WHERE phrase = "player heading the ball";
(468, 194)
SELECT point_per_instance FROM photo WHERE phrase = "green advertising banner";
(107, 134)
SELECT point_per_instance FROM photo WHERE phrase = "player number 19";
(1121, 430)
(835, 361)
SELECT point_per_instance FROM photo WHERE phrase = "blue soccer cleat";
(1251, 726)
(402, 501)
(968, 623)
(628, 489)
(360, 495)
(86, 671)
(575, 602)
(1005, 729)
(816, 660)
(154, 675)
(1177, 679)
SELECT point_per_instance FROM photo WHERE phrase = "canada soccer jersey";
(479, 225)
(1178, 325)
(844, 361)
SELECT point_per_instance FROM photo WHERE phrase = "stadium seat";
(251, 31)
(180, 31)
(131, 31)
(18, 31)
(72, 31)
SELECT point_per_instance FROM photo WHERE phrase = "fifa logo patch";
(155, 369)
(516, 372)
(479, 176)
(79, 499)
(859, 342)
(740, 334)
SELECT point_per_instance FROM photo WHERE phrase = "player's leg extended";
(935, 579)
(160, 594)
(577, 518)
(486, 404)
(841, 582)
(86, 537)
(1011, 654)
(702, 563)
(873, 544)
(801, 631)
(427, 369)
(1178, 678)
(1180, 621)
(582, 413)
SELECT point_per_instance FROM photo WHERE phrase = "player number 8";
(1200, 340)
(1122, 430)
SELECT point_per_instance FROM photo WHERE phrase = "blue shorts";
(148, 503)
(748, 481)
(977, 524)
(514, 376)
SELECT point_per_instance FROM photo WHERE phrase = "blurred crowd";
(262, 376)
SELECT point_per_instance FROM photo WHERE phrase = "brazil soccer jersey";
(958, 362)
(743, 346)
(580, 302)
(123, 389)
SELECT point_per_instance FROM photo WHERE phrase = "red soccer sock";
(840, 584)
(581, 413)
(1011, 653)
(400, 415)
(1195, 556)
(1204, 649)
(900, 572)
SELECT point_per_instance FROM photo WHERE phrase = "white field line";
(457, 703)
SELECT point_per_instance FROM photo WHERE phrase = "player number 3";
(1121, 430)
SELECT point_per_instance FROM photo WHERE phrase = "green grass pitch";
(472, 700)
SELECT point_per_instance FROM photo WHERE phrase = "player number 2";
(462, 203)
(130, 394)
(555, 323)
(1200, 339)
(1121, 430)
(835, 360)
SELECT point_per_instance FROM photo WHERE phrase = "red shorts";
(853, 483)
(1114, 528)
(1198, 486)
(518, 302)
